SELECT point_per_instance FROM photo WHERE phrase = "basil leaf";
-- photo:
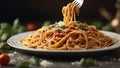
(15, 23)
(5, 36)
(5, 26)
(24, 64)
(108, 28)
(46, 23)
(34, 61)
(6, 48)
(88, 62)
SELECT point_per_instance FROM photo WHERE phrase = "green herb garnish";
(82, 25)
(57, 30)
(63, 27)
(88, 62)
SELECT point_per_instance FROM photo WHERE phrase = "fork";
(78, 2)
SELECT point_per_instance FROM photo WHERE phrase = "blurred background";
(38, 12)
(18, 16)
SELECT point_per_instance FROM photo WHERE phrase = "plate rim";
(61, 51)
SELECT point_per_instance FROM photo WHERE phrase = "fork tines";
(75, 2)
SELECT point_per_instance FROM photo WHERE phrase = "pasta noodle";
(67, 35)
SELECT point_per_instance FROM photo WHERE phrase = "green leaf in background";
(5, 36)
(16, 23)
(17, 28)
(21, 29)
(6, 48)
(24, 64)
(108, 28)
(6, 31)
(4, 26)
(1, 32)
(97, 24)
(88, 62)
(34, 61)
(46, 23)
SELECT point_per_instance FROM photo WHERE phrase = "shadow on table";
(103, 55)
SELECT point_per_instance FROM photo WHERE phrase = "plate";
(14, 42)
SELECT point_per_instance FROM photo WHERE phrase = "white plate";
(14, 42)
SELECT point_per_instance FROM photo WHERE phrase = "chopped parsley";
(82, 25)
(57, 30)
(63, 27)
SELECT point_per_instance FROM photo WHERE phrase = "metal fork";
(78, 2)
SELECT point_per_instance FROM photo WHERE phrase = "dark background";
(42, 10)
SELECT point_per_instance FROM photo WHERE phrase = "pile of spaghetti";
(67, 34)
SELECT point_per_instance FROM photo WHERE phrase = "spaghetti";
(67, 35)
